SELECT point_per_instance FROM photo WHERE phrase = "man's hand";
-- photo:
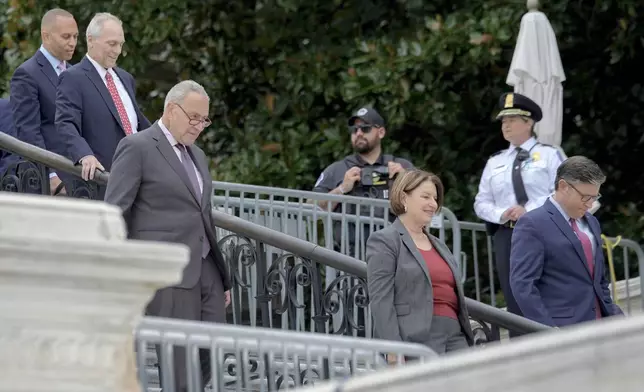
(394, 168)
(517, 212)
(513, 213)
(90, 164)
(53, 184)
(227, 296)
(350, 177)
(506, 214)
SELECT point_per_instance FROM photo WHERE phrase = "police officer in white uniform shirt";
(515, 180)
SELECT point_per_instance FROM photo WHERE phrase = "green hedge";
(285, 74)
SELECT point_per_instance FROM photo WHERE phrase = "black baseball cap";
(369, 115)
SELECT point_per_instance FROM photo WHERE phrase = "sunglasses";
(364, 128)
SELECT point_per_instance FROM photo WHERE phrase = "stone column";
(72, 290)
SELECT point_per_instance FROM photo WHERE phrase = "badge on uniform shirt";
(536, 156)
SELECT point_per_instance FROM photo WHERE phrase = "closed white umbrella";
(536, 72)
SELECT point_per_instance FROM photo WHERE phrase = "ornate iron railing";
(277, 278)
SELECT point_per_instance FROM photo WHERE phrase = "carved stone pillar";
(72, 289)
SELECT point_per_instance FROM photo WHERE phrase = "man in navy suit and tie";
(557, 270)
(33, 85)
(96, 102)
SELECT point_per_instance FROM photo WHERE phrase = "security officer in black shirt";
(367, 173)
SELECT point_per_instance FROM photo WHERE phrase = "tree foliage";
(285, 74)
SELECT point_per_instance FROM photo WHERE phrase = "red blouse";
(443, 283)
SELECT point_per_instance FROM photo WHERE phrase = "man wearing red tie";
(557, 271)
(96, 102)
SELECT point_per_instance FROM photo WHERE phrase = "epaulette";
(496, 153)
(545, 144)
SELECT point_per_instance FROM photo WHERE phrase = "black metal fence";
(278, 279)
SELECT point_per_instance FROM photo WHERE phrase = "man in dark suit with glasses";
(557, 269)
(161, 182)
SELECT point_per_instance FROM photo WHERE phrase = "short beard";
(363, 148)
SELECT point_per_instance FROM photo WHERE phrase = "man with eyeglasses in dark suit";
(161, 182)
(557, 269)
(366, 173)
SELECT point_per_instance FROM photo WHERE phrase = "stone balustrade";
(72, 290)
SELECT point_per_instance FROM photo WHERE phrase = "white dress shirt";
(120, 88)
(173, 142)
(496, 193)
(55, 63)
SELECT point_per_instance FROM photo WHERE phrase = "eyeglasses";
(586, 198)
(195, 121)
(364, 128)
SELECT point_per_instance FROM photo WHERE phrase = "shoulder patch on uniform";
(319, 179)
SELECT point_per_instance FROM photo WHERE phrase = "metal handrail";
(274, 238)
(356, 267)
(47, 158)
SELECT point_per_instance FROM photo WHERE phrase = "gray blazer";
(148, 182)
(400, 288)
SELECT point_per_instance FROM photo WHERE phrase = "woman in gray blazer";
(413, 280)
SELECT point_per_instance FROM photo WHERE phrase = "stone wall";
(72, 289)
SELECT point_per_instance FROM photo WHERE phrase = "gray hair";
(95, 26)
(180, 90)
(580, 170)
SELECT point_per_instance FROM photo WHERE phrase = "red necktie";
(588, 252)
(120, 108)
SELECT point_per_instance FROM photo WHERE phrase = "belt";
(509, 224)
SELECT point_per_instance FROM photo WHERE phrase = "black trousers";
(502, 244)
(203, 302)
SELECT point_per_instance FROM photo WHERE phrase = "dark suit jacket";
(549, 274)
(86, 117)
(150, 185)
(33, 100)
(6, 126)
(400, 287)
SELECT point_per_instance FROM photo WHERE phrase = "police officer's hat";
(369, 115)
(513, 104)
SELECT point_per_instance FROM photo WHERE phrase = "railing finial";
(533, 5)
